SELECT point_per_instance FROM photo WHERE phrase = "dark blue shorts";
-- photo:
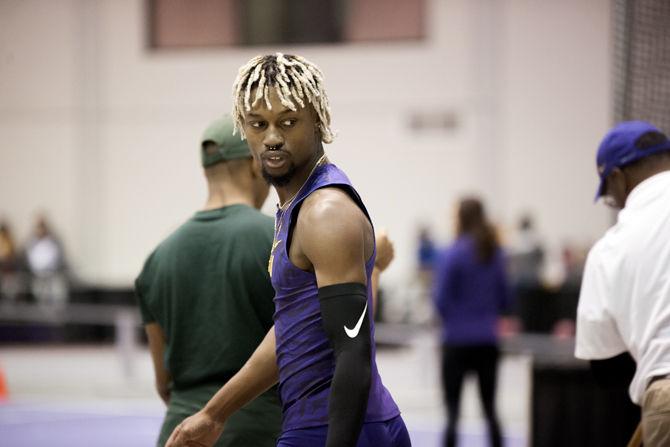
(391, 433)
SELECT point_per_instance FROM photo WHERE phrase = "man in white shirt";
(624, 303)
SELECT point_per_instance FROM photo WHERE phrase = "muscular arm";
(333, 235)
(257, 375)
(156, 339)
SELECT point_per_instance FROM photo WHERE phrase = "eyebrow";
(282, 112)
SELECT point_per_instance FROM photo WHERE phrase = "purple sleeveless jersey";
(305, 358)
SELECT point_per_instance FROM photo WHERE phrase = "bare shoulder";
(333, 233)
(331, 211)
(326, 204)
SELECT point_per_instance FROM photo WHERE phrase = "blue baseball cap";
(621, 146)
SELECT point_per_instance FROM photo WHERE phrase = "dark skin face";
(621, 181)
(286, 143)
(617, 188)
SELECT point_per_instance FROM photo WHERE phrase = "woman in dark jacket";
(470, 294)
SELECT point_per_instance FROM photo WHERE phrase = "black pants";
(457, 361)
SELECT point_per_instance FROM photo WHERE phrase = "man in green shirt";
(205, 294)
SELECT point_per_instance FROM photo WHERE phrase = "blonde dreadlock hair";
(294, 78)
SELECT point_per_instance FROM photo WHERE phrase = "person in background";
(471, 294)
(426, 250)
(46, 263)
(425, 258)
(526, 257)
(9, 265)
(205, 294)
(623, 316)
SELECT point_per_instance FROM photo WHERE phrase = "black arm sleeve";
(344, 310)
(614, 372)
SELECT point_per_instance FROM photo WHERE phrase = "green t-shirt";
(207, 286)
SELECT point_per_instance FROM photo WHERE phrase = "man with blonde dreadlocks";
(321, 348)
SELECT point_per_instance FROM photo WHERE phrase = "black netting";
(642, 61)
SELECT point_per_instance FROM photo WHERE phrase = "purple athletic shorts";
(391, 433)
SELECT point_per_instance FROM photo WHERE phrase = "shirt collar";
(657, 182)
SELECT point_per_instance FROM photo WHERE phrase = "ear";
(615, 181)
(317, 121)
(317, 129)
(623, 179)
(617, 187)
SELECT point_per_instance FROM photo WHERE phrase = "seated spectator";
(46, 264)
(527, 256)
(10, 274)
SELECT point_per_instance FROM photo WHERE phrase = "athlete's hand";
(385, 251)
(199, 430)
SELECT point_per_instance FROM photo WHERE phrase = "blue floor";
(85, 425)
(23, 425)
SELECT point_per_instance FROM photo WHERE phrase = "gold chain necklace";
(275, 241)
(319, 162)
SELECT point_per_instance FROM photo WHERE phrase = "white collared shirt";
(624, 303)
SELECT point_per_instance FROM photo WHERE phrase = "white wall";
(555, 106)
(103, 133)
(39, 126)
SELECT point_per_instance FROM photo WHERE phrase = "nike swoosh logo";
(352, 333)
